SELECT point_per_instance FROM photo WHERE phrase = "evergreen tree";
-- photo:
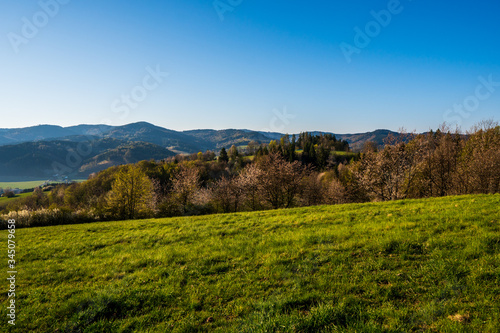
(323, 156)
(305, 153)
(233, 153)
(223, 158)
(292, 156)
(312, 155)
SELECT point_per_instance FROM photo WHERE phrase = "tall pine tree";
(223, 158)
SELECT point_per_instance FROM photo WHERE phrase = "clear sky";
(278, 65)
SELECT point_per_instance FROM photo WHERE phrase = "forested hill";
(191, 141)
(52, 159)
(33, 152)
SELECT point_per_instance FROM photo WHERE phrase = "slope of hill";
(136, 132)
(146, 132)
(229, 137)
(356, 141)
(126, 153)
(29, 153)
(407, 266)
(96, 130)
(44, 159)
(48, 132)
(191, 141)
(34, 133)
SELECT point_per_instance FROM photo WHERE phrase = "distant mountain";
(136, 132)
(356, 141)
(95, 130)
(127, 153)
(45, 159)
(189, 142)
(48, 132)
(35, 133)
(31, 152)
(146, 132)
(229, 137)
(272, 135)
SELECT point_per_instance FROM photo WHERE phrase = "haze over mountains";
(48, 151)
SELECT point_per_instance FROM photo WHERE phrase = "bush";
(9, 194)
(46, 217)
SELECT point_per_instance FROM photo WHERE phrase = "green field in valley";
(428, 265)
(344, 153)
(21, 195)
(28, 184)
(22, 185)
(4, 201)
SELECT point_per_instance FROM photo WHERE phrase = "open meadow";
(429, 265)
(22, 185)
(4, 201)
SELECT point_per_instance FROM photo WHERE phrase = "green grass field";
(344, 153)
(4, 201)
(22, 185)
(22, 195)
(29, 184)
(409, 266)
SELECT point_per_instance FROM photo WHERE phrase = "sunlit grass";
(17, 196)
(29, 184)
(22, 185)
(4, 201)
(416, 265)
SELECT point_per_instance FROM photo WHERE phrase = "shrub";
(47, 217)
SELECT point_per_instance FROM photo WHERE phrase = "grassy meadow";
(17, 196)
(429, 265)
(28, 184)
(22, 185)
(4, 201)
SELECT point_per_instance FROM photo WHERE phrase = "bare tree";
(389, 173)
(184, 185)
(280, 181)
(335, 192)
(479, 164)
(312, 190)
(439, 161)
(248, 181)
(227, 194)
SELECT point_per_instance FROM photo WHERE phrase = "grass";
(22, 185)
(409, 266)
(29, 184)
(344, 153)
(4, 201)
(17, 196)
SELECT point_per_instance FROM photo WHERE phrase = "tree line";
(290, 172)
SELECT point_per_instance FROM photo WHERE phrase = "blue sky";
(267, 65)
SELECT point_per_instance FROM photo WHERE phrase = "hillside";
(229, 137)
(356, 141)
(29, 153)
(127, 153)
(34, 133)
(145, 132)
(415, 265)
(136, 132)
(191, 141)
(36, 159)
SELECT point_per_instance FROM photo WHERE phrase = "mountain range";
(48, 151)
